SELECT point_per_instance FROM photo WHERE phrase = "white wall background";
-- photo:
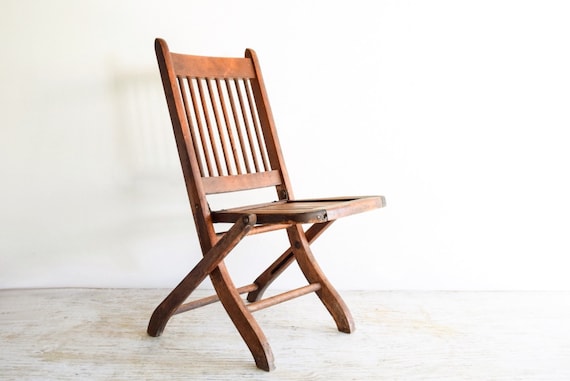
(457, 111)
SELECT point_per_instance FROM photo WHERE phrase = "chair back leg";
(264, 280)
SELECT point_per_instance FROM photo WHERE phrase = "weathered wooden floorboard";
(99, 334)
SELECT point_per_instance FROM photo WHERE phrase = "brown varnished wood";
(283, 297)
(327, 293)
(212, 299)
(227, 141)
(209, 262)
(302, 211)
(284, 190)
(213, 185)
(211, 67)
(242, 318)
(264, 280)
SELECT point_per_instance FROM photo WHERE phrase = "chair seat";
(302, 211)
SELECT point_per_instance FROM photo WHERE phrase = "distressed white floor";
(99, 334)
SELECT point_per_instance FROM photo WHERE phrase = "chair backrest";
(223, 126)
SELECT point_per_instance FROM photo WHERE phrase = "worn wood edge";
(234, 183)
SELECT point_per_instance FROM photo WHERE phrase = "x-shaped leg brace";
(207, 264)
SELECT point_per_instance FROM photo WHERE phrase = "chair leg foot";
(242, 318)
(310, 268)
(157, 323)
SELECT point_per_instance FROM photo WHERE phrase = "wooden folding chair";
(227, 142)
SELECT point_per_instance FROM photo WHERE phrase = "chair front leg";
(207, 264)
(242, 318)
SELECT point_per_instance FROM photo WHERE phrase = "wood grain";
(99, 334)
(227, 141)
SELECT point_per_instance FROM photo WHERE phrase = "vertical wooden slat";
(246, 117)
(217, 110)
(217, 103)
(235, 152)
(182, 85)
(229, 131)
(238, 122)
(256, 127)
(198, 113)
(205, 101)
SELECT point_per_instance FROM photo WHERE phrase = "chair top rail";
(212, 67)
